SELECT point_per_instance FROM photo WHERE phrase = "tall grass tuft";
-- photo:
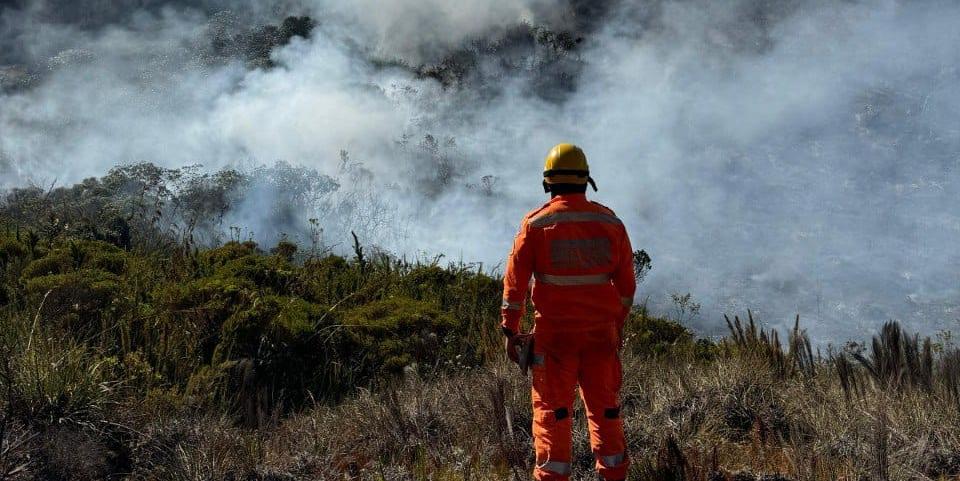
(49, 378)
(898, 361)
(750, 339)
(849, 376)
(949, 375)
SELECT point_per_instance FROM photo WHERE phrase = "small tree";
(641, 265)
(685, 308)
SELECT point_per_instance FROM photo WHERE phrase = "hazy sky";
(794, 156)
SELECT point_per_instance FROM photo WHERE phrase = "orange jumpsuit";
(580, 257)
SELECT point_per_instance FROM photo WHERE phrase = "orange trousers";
(561, 361)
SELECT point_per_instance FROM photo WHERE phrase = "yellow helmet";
(566, 164)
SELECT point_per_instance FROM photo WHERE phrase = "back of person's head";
(565, 171)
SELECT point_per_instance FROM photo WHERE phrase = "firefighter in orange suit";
(580, 258)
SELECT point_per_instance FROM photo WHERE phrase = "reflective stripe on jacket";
(580, 256)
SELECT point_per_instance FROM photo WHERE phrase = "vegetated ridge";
(128, 350)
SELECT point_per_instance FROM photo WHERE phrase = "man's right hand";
(510, 345)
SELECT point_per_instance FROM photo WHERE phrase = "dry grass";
(739, 415)
(734, 418)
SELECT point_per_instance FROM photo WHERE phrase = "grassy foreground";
(233, 370)
(127, 357)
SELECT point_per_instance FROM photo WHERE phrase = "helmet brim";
(565, 179)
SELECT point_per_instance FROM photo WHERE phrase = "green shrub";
(328, 280)
(113, 260)
(268, 357)
(230, 251)
(14, 255)
(392, 334)
(331, 265)
(265, 272)
(429, 282)
(189, 319)
(12, 249)
(654, 336)
(54, 262)
(285, 250)
(270, 328)
(77, 255)
(83, 303)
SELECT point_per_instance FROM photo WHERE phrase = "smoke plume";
(785, 156)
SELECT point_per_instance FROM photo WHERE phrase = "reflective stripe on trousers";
(510, 305)
(558, 467)
(584, 280)
(613, 460)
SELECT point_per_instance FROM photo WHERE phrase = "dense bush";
(243, 329)
(391, 334)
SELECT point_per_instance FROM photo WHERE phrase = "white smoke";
(781, 156)
(420, 30)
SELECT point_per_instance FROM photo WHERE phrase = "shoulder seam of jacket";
(610, 211)
(530, 215)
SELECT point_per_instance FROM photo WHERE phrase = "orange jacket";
(580, 257)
